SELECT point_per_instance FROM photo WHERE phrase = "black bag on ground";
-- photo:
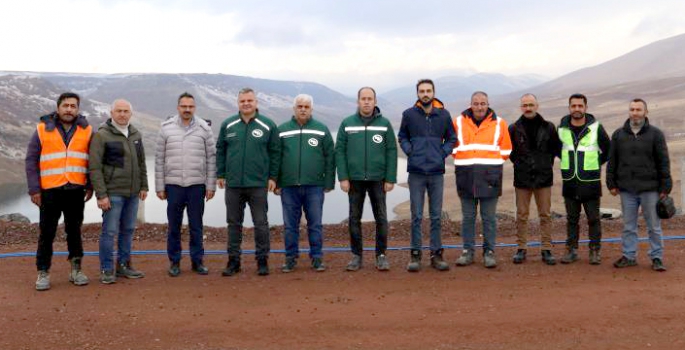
(665, 208)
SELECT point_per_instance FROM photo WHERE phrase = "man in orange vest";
(482, 147)
(57, 176)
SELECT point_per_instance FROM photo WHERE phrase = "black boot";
(520, 256)
(595, 256)
(437, 261)
(414, 264)
(262, 266)
(232, 267)
(570, 256)
(548, 258)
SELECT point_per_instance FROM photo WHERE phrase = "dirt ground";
(528, 306)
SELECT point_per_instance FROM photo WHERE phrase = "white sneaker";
(43, 281)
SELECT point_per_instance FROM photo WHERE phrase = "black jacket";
(533, 166)
(639, 163)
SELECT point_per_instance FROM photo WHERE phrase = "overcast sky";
(341, 44)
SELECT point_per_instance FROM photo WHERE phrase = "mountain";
(455, 91)
(658, 60)
(215, 94)
(25, 96)
(654, 72)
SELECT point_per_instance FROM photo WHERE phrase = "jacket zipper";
(576, 142)
(299, 159)
(366, 151)
(128, 143)
(429, 132)
(242, 174)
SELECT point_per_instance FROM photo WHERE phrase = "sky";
(341, 44)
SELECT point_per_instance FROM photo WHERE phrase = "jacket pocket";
(493, 178)
(114, 154)
(109, 173)
(644, 174)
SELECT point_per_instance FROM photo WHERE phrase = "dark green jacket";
(247, 154)
(117, 163)
(307, 155)
(366, 152)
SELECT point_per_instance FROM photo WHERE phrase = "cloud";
(343, 44)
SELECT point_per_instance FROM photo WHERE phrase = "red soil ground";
(528, 306)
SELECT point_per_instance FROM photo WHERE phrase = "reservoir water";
(336, 208)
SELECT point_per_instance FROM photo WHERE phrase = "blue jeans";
(178, 199)
(294, 199)
(488, 210)
(119, 220)
(630, 204)
(418, 184)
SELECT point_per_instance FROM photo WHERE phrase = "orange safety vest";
(488, 144)
(61, 164)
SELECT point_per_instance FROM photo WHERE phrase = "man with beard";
(57, 176)
(426, 136)
(535, 144)
(639, 170)
(482, 148)
(185, 176)
(585, 147)
(366, 158)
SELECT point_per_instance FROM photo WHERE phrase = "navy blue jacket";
(427, 139)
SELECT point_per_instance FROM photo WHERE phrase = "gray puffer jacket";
(185, 157)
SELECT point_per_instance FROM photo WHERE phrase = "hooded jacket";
(426, 139)
(117, 163)
(581, 170)
(35, 148)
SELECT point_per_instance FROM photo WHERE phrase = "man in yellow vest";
(585, 147)
(57, 176)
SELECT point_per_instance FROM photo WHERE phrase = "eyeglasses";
(527, 105)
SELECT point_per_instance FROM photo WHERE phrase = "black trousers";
(356, 195)
(54, 203)
(236, 199)
(573, 207)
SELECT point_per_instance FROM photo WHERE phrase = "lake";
(336, 208)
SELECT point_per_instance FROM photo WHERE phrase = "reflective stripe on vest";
(61, 164)
(489, 153)
(301, 131)
(588, 150)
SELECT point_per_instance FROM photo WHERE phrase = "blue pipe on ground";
(329, 249)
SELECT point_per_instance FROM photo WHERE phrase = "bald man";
(119, 177)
